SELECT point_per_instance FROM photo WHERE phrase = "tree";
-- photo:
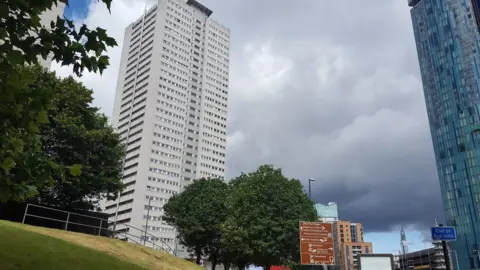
(23, 105)
(198, 213)
(264, 211)
(233, 256)
(76, 133)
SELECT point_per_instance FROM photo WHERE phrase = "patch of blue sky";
(77, 9)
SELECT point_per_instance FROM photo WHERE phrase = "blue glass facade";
(447, 39)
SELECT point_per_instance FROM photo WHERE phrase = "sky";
(322, 89)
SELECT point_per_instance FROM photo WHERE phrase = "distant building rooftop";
(327, 211)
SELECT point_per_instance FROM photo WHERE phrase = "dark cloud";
(331, 90)
(324, 89)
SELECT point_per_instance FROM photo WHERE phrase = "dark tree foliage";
(23, 104)
(264, 211)
(76, 133)
(198, 213)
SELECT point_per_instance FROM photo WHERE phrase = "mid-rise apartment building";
(348, 243)
(170, 109)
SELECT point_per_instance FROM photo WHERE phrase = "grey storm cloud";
(323, 89)
(332, 90)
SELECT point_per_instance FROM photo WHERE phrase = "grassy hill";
(29, 247)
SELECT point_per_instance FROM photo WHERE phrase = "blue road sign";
(444, 234)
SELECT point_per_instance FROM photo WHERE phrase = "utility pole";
(146, 222)
(175, 242)
(310, 180)
(446, 254)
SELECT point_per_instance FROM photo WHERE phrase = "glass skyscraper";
(447, 39)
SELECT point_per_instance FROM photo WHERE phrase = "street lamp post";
(310, 180)
(146, 222)
(175, 243)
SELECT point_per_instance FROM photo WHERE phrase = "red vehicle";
(279, 268)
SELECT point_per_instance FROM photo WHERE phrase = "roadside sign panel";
(376, 262)
(316, 243)
(315, 259)
(444, 233)
(320, 248)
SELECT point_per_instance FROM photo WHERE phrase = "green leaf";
(18, 110)
(76, 170)
(32, 127)
(103, 60)
(108, 3)
(47, 45)
(49, 107)
(3, 33)
(70, 23)
(15, 80)
(17, 144)
(30, 191)
(52, 164)
(43, 178)
(111, 42)
(42, 117)
(36, 21)
(15, 57)
(7, 164)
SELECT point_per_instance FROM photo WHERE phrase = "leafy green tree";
(24, 105)
(233, 256)
(76, 133)
(198, 213)
(264, 211)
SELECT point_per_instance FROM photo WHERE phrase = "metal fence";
(97, 226)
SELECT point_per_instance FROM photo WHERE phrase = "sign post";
(444, 234)
(316, 243)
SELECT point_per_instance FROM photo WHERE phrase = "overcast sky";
(322, 89)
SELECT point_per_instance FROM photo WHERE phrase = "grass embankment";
(29, 247)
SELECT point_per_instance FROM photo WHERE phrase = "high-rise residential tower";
(447, 39)
(45, 19)
(170, 109)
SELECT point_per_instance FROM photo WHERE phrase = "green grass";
(28, 247)
(20, 249)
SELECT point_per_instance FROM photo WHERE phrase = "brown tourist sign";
(316, 243)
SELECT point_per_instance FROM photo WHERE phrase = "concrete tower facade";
(170, 109)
